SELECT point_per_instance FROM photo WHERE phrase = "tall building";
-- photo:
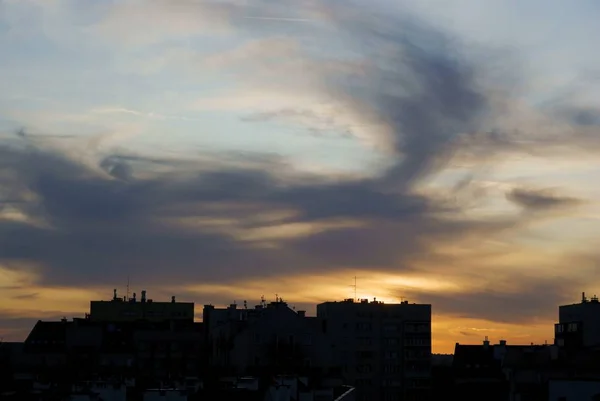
(131, 309)
(578, 324)
(384, 349)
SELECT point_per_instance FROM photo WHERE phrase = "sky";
(441, 152)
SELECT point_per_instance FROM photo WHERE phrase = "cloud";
(189, 223)
(136, 23)
(101, 225)
(417, 98)
(32, 295)
(416, 92)
(532, 299)
(16, 326)
(539, 200)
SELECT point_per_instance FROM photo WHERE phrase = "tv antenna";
(355, 287)
(127, 287)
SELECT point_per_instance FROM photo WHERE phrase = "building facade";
(384, 349)
(578, 324)
(268, 336)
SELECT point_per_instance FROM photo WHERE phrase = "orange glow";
(23, 298)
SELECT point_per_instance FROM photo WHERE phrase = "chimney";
(302, 313)
(143, 295)
(133, 299)
(115, 294)
(503, 343)
(486, 342)
(583, 300)
(173, 299)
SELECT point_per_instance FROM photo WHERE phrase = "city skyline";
(441, 152)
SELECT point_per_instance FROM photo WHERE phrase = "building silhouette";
(131, 309)
(270, 335)
(384, 349)
(578, 324)
(567, 370)
(125, 349)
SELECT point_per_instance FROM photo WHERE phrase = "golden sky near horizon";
(30, 302)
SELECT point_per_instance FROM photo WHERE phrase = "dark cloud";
(531, 299)
(417, 83)
(32, 295)
(99, 228)
(539, 200)
(15, 325)
(585, 117)
(23, 133)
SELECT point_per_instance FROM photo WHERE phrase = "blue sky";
(433, 138)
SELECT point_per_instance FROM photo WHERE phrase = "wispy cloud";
(137, 113)
(540, 199)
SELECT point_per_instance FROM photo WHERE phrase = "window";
(364, 354)
(363, 326)
(415, 341)
(392, 397)
(364, 368)
(423, 328)
(391, 368)
(391, 355)
(364, 340)
(391, 341)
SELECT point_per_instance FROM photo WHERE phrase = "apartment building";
(268, 336)
(578, 324)
(384, 349)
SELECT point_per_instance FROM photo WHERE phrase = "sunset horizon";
(438, 152)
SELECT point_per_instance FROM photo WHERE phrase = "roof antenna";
(128, 287)
(354, 286)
